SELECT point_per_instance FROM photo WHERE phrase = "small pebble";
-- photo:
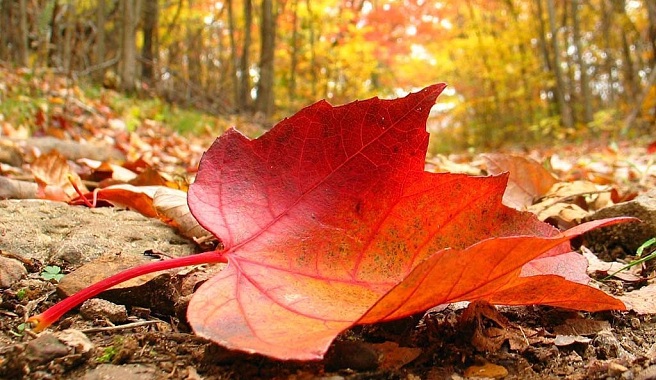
(487, 370)
(97, 308)
(11, 271)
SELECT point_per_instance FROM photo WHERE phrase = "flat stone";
(44, 349)
(56, 233)
(123, 372)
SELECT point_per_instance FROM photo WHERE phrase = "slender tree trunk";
(265, 97)
(234, 59)
(194, 51)
(629, 122)
(527, 108)
(651, 14)
(4, 25)
(630, 82)
(128, 64)
(294, 54)
(99, 49)
(565, 113)
(23, 43)
(244, 62)
(583, 67)
(51, 47)
(609, 67)
(313, 55)
(149, 51)
(69, 30)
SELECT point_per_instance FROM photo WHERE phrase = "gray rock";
(625, 238)
(123, 372)
(99, 308)
(59, 234)
(44, 349)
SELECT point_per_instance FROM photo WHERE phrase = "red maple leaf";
(329, 220)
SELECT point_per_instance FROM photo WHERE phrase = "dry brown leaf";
(528, 179)
(119, 173)
(172, 204)
(393, 357)
(600, 267)
(53, 174)
(642, 301)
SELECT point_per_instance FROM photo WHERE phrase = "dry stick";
(121, 327)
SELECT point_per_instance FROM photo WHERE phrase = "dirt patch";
(154, 342)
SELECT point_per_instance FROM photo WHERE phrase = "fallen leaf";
(109, 170)
(54, 176)
(172, 204)
(329, 220)
(567, 203)
(567, 340)
(642, 301)
(604, 268)
(393, 357)
(491, 329)
(528, 179)
(136, 198)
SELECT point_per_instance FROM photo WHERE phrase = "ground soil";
(513, 343)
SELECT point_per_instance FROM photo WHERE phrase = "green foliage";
(639, 259)
(21, 294)
(52, 272)
(107, 355)
(20, 330)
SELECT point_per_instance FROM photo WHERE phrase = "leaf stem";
(56, 311)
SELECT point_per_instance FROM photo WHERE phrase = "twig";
(121, 327)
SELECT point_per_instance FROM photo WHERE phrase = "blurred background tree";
(520, 72)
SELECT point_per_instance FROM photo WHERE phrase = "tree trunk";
(629, 122)
(583, 67)
(651, 14)
(69, 30)
(265, 96)
(563, 107)
(244, 75)
(149, 50)
(313, 55)
(23, 44)
(609, 67)
(99, 52)
(294, 54)
(128, 63)
(234, 60)
(193, 53)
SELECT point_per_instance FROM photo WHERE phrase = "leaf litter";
(364, 335)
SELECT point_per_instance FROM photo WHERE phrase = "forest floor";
(48, 238)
